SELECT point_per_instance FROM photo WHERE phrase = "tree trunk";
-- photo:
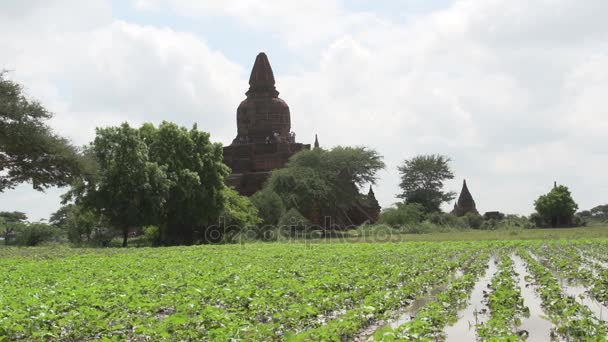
(125, 236)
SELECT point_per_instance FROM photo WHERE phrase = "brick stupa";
(465, 203)
(264, 140)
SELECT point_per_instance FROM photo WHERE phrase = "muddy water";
(579, 292)
(537, 325)
(409, 312)
(416, 305)
(464, 328)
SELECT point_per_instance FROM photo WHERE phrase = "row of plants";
(575, 265)
(252, 292)
(431, 319)
(574, 321)
(382, 304)
(506, 306)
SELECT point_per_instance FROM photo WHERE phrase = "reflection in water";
(537, 325)
(464, 328)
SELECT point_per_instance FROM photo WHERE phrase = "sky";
(513, 91)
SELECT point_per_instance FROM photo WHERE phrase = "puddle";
(579, 292)
(465, 328)
(417, 304)
(409, 312)
(537, 325)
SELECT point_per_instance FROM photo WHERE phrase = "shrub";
(402, 214)
(270, 206)
(293, 222)
(33, 234)
(474, 221)
(152, 235)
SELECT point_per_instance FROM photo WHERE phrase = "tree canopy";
(422, 179)
(600, 212)
(29, 150)
(167, 176)
(326, 180)
(556, 205)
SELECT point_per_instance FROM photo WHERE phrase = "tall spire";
(262, 77)
(371, 193)
(465, 203)
(316, 141)
(554, 184)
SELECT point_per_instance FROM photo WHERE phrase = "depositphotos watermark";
(298, 231)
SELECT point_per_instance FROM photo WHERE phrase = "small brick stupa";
(264, 140)
(465, 203)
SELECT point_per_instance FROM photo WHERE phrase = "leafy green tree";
(600, 212)
(128, 189)
(556, 205)
(196, 172)
(402, 214)
(10, 221)
(30, 151)
(326, 180)
(270, 206)
(293, 222)
(80, 224)
(60, 217)
(32, 234)
(422, 179)
(238, 215)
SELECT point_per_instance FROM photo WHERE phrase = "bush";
(402, 214)
(33, 234)
(293, 222)
(444, 219)
(152, 235)
(474, 221)
(270, 206)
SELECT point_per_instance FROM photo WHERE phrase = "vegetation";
(326, 181)
(422, 180)
(166, 176)
(30, 151)
(556, 205)
(316, 291)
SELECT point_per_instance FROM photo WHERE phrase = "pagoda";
(465, 203)
(264, 140)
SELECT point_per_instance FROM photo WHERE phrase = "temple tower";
(264, 139)
(465, 203)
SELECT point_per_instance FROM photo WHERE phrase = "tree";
(10, 221)
(600, 212)
(32, 234)
(167, 176)
(194, 166)
(270, 206)
(556, 207)
(238, 215)
(422, 180)
(127, 189)
(402, 214)
(29, 150)
(80, 223)
(326, 180)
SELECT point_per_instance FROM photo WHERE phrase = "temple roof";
(316, 141)
(465, 194)
(262, 77)
(370, 193)
(465, 203)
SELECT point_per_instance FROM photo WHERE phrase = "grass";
(389, 235)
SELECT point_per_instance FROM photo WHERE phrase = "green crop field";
(459, 290)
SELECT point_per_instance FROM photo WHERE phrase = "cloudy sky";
(514, 91)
